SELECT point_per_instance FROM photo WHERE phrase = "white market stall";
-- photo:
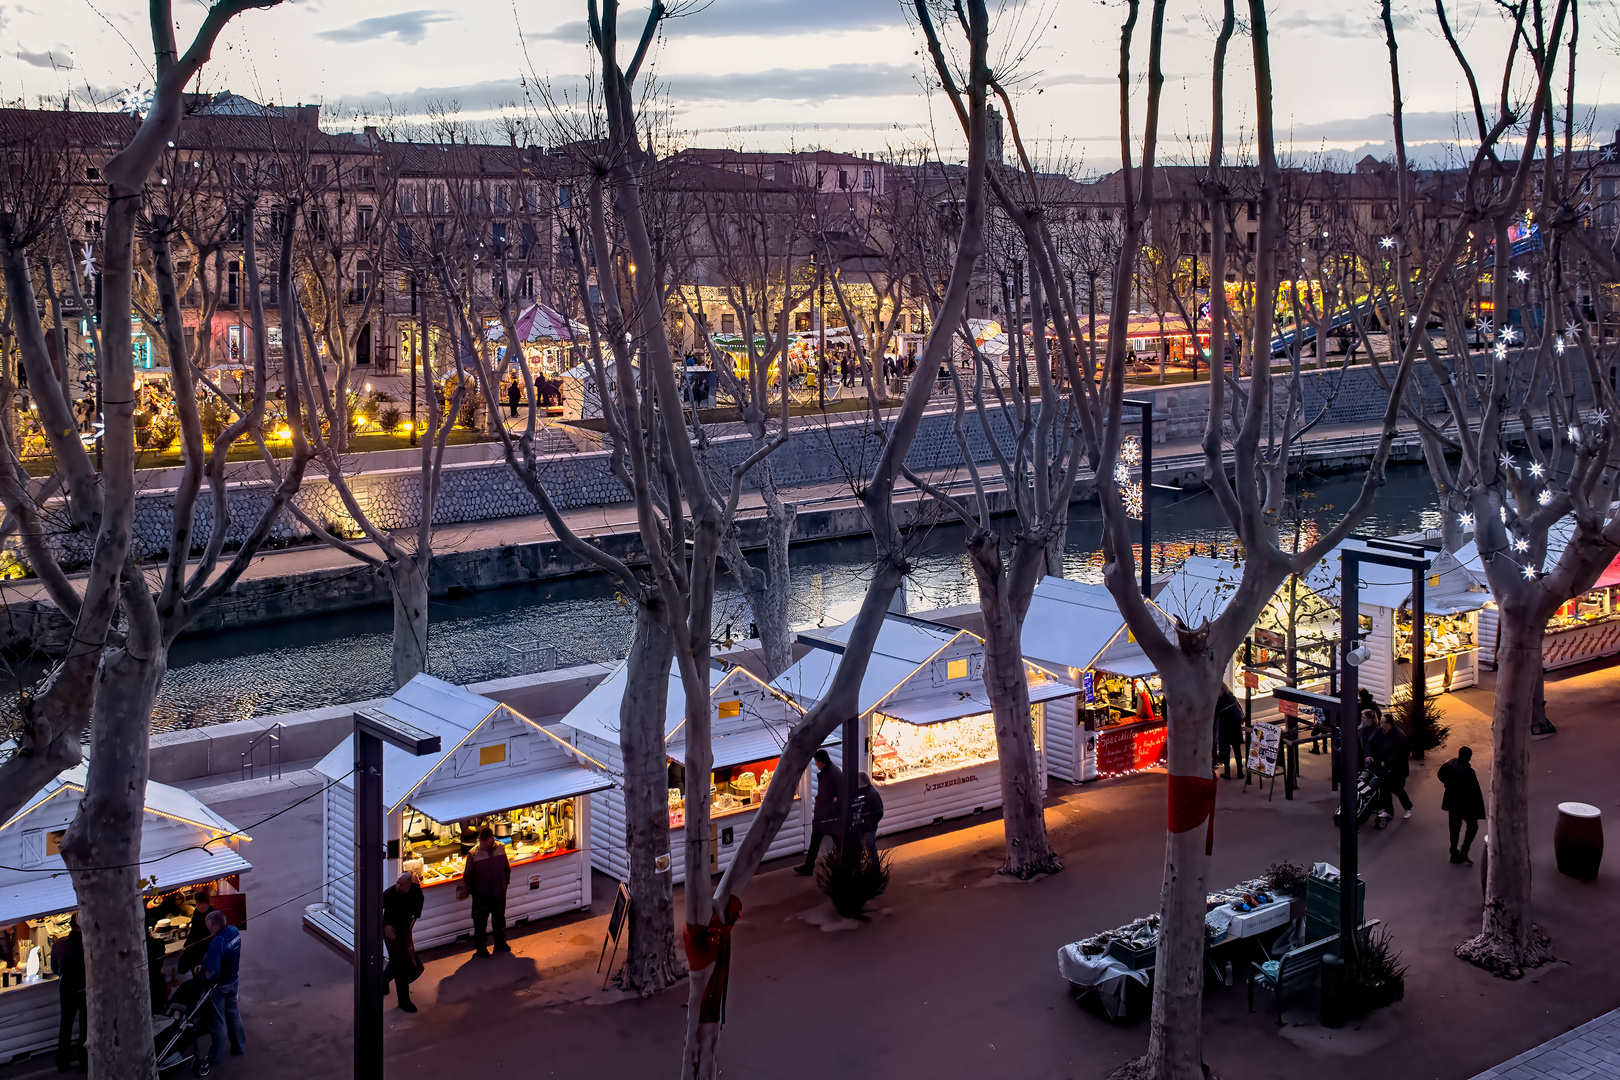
(1453, 596)
(928, 736)
(184, 845)
(1067, 628)
(1586, 628)
(749, 724)
(495, 768)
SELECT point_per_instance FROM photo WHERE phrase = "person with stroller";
(221, 966)
(1390, 752)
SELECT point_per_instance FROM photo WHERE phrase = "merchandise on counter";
(902, 751)
(530, 833)
(732, 789)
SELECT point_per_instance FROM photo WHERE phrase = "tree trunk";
(1023, 817)
(408, 583)
(1175, 1041)
(106, 832)
(1508, 941)
(772, 609)
(649, 962)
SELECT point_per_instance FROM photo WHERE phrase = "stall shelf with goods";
(1586, 628)
(1068, 626)
(749, 724)
(495, 768)
(926, 730)
(185, 848)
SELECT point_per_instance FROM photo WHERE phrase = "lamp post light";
(372, 728)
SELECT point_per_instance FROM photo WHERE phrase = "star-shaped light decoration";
(1536, 469)
(1133, 499)
(1529, 573)
(1506, 461)
(1387, 242)
(1501, 350)
(1544, 497)
(1572, 329)
(1509, 334)
(1558, 345)
(1485, 326)
(1520, 544)
(1521, 275)
(1466, 520)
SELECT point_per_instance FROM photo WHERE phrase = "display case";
(437, 853)
(902, 751)
(733, 789)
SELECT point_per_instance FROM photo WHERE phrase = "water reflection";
(329, 660)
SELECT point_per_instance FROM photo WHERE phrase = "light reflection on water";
(332, 659)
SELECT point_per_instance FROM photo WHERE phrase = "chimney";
(309, 115)
(993, 136)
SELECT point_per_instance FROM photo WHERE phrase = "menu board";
(1264, 742)
(1122, 751)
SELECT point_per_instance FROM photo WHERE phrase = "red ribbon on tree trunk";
(1192, 800)
(707, 945)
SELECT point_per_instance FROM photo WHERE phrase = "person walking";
(1391, 753)
(1228, 732)
(67, 960)
(1463, 801)
(220, 967)
(827, 815)
(485, 879)
(402, 906)
(514, 397)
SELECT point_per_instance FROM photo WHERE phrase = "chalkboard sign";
(621, 908)
(1264, 742)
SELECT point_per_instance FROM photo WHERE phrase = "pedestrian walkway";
(1589, 1052)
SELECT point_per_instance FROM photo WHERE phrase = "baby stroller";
(176, 1031)
(1367, 792)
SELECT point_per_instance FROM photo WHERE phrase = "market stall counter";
(927, 732)
(186, 848)
(495, 768)
(1586, 628)
(748, 724)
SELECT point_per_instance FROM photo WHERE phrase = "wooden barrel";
(1578, 840)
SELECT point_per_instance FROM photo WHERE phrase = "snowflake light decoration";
(1520, 544)
(1600, 417)
(1506, 461)
(1544, 497)
(1131, 451)
(1521, 275)
(1466, 520)
(1558, 345)
(1501, 350)
(1122, 473)
(1509, 334)
(1536, 469)
(1485, 326)
(1572, 329)
(1132, 494)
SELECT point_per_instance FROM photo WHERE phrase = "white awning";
(953, 705)
(48, 893)
(1133, 665)
(746, 746)
(523, 789)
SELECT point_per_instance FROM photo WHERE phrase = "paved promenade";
(1590, 1052)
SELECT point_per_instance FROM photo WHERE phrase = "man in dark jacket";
(828, 814)
(1228, 731)
(868, 813)
(220, 967)
(67, 960)
(1390, 754)
(402, 906)
(1463, 801)
(487, 874)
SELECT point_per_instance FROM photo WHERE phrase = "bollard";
(1332, 991)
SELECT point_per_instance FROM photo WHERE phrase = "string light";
(1536, 469)
(1503, 511)
(1466, 520)
(1545, 498)
(1520, 544)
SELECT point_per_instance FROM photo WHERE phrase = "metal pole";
(1420, 678)
(1147, 498)
(1349, 745)
(369, 852)
(853, 763)
(421, 331)
(821, 327)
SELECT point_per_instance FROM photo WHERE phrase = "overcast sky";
(843, 74)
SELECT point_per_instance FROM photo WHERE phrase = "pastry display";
(901, 751)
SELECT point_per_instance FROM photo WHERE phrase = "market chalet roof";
(554, 769)
(908, 676)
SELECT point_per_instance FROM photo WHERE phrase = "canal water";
(332, 659)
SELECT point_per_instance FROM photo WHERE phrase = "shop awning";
(523, 789)
(1134, 665)
(744, 747)
(1069, 623)
(49, 893)
(953, 705)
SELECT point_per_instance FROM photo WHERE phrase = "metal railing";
(271, 737)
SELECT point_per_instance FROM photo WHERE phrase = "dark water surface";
(331, 659)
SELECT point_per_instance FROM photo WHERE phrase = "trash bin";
(1332, 991)
(1578, 840)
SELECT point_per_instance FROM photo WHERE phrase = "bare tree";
(106, 683)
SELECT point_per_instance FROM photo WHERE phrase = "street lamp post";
(372, 728)
(416, 348)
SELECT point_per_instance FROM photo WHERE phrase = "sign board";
(1251, 679)
(1270, 639)
(621, 908)
(1088, 682)
(1120, 752)
(1288, 708)
(1264, 742)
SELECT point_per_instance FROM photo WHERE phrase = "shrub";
(160, 434)
(1374, 976)
(390, 418)
(851, 888)
(469, 415)
(1287, 877)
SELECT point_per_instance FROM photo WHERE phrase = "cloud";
(51, 58)
(795, 84)
(406, 27)
(1075, 79)
(1439, 127)
(765, 18)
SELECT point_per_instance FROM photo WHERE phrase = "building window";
(436, 199)
(497, 234)
(407, 201)
(278, 222)
(1250, 240)
(866, 179)
(499, 195)
(92, 227)
(528, 242)
(92, 173)
(402, 234)
(234, 341)
(313, 223)
(526, 287)
(565, 196)
(367, 177)
(1253, 209)
(1378, 211)
(317, 175)
(363, 219)
(843, 180)
(728, 322)
(233, 284)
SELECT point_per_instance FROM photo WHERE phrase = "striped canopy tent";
(541, 323)
(1148, 326)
